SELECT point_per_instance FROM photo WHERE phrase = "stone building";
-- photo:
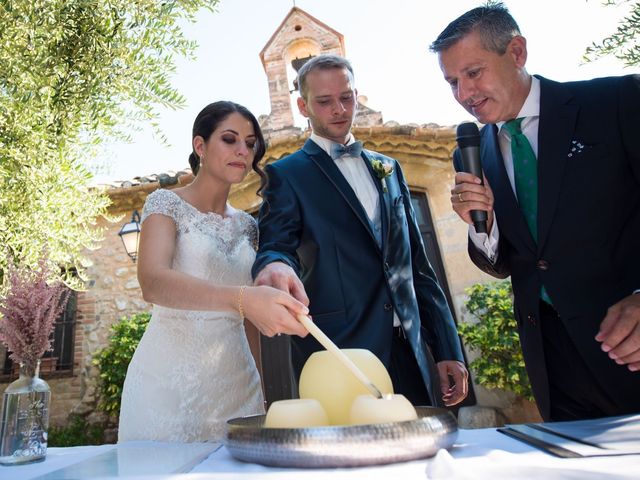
(424, 152)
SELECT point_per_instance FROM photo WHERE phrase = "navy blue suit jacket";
(588, 252)
(312, 220)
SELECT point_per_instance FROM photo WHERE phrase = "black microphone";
(468, 138)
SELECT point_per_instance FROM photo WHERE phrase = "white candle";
(297, 413)
(367, 409)
(327, 343)
(326, 379)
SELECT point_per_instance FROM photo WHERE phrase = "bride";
(193, 369)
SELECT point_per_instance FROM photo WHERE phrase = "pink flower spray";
(29, 309)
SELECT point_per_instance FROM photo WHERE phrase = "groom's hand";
(281, 276)
(454, 380)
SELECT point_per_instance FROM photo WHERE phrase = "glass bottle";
(25, 418)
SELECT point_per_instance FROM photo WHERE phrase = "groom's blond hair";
(321, 62)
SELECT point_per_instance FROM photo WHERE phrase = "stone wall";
(112, 293)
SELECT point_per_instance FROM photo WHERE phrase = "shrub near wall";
(76, 432)
(114, 359)
(495, 336)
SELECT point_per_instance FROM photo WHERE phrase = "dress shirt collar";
(531, 106)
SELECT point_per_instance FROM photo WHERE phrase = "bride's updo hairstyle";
(208, 120)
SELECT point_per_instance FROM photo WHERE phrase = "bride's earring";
(201, 158)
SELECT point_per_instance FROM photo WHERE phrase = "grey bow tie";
(354, 150)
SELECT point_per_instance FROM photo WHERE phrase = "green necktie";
(525, 174)
(525, 170)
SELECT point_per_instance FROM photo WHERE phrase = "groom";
(340, 218)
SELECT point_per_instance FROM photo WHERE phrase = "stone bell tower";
(299, 37)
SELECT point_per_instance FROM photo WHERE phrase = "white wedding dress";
(193, 370)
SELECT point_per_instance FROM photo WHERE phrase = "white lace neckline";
(206, 214)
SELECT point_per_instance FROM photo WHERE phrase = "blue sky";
(387, 42)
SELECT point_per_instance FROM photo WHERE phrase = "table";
(477, 454)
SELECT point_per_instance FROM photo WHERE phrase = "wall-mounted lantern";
(130, 235)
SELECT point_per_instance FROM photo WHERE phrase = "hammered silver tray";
(350, 446)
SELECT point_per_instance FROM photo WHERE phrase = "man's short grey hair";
(492, 21)
(321, 62)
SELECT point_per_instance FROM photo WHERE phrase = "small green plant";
(495, 337)
(77, 432)
(114, 359)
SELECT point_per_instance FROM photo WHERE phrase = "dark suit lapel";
(555, 131)
(506, 206)
(384, 199)
(331, 171)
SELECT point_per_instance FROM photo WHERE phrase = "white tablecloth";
(477, 454)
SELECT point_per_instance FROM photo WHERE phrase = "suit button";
(532, 320)
(542, 265)
(388, 306)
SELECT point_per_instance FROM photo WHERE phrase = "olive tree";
(624, 43)
(74, 73)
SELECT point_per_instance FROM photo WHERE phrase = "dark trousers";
(405, 374)
(574, 391)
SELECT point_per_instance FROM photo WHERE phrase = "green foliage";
(495, 336)
(624, 44)
(77, 432)
(114, 359)
(74, 73)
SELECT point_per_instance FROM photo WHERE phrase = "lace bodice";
(208, 245)
(193, 370)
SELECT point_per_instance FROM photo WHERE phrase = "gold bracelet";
(240, 294)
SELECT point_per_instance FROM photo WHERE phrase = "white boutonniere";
(383, 170)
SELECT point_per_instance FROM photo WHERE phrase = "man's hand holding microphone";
(471, 196)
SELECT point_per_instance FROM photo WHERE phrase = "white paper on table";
(500, 465)
(130, 459)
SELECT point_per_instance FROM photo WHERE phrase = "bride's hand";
(273, 311)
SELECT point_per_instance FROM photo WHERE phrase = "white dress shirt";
(357, 175)
(531, 112)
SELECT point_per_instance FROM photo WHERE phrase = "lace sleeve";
(163, 202)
